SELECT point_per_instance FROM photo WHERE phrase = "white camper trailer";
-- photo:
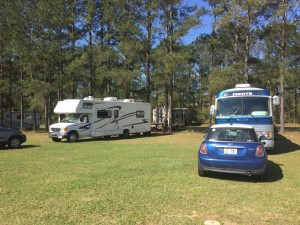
(180, 117)
(91, 117)
(30, 120)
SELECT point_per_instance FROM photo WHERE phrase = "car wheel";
(201, 172)
(56, 139)
(72, 137)
(126, 133)
(14, 142)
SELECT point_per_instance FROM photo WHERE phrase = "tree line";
(59, 49)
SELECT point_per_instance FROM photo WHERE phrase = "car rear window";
(232, 134)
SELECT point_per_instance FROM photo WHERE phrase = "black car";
(12, 138)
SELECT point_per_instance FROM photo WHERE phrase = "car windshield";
(70, 118)
(232, 134)
(255, 106)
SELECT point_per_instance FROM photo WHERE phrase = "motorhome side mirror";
(276, 100)
(212, 110)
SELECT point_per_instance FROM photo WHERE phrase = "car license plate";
(230, 151)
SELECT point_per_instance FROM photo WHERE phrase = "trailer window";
(116, 113)
(140, 114)
(104, 114)
(87, 105)
(27, 117)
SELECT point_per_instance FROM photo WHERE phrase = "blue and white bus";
(247, 105)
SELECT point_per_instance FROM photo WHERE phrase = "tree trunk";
(283, 68)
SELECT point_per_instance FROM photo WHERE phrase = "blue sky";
(206, 26)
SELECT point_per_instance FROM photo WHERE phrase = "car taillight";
(203, 149)
(259, 151)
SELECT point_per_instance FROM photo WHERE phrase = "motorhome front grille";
(55, 129)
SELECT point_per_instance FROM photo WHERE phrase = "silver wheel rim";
(15, 143)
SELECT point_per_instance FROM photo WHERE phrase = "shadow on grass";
(21, 148)
(284, 145)
(118, 137)
(274, 173)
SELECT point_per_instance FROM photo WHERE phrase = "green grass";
(144, 180)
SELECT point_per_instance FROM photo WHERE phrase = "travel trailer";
(180, 117)
(30, 120)
(90, 117)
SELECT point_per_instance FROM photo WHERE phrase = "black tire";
(56, 139)
(72, 136)
(125, 133)
(201, 172)
(14, 142)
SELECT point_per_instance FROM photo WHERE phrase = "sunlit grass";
(143, 180)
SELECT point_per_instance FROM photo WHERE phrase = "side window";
(104, 114)
(84, 119)
(116, 113)
(27, 117)
(140, 114)
(87, 105)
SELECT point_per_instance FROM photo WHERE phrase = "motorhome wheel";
(72, 137)
(125, 133)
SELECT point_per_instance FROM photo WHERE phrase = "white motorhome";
(91, 117)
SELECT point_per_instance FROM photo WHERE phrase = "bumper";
(268, 144)
(24, 138)
(245, 167)
(59, 135)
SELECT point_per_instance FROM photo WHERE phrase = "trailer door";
(84, 129)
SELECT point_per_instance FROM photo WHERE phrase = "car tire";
(125, 133)
(56, 139)
(14, 142)
(72, 136)
(201, 172)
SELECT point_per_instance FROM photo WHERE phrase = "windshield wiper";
(254, 117)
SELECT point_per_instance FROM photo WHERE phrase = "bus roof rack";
(242, 86)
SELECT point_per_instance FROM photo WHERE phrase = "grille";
(55, 129)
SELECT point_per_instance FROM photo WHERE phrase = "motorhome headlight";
(269, 134)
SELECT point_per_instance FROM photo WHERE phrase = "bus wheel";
(72, 136)
(56, 139)
(126, 133)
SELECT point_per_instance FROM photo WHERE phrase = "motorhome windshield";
(70, 118)
(242, 106)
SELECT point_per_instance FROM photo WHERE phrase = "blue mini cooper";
(231, 148)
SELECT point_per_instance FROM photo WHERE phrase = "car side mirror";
(212, 110)
(205, 136)
(276, 100)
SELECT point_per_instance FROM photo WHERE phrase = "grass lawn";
(142, 180)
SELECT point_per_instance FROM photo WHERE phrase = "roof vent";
(242, 86)
(110, 99)
(88, 98)
(128, 100)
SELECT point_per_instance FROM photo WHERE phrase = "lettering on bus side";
(242, 94)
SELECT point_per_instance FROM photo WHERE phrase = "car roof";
(244, 126)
